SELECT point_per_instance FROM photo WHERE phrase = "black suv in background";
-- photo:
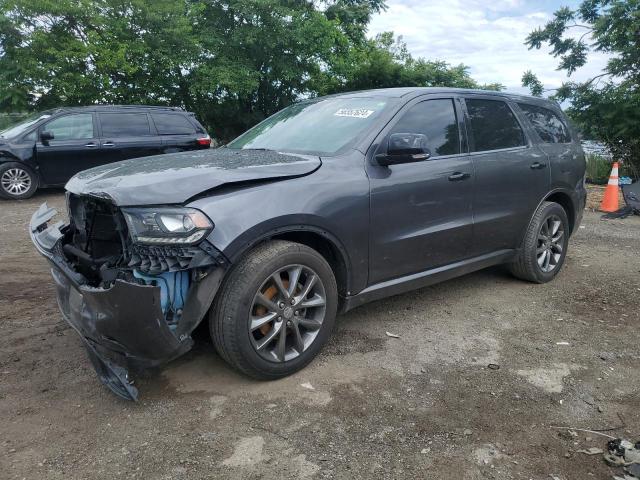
(50, 147)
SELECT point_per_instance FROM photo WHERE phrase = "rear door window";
(437, 120)
(546, 123)
(493, 125)
(124, 124)
(172, 124)
(71, 127)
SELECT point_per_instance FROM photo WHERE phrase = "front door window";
(71, 127)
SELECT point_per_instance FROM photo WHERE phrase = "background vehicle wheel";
(544, 247)
(17, 181)
(275, 310)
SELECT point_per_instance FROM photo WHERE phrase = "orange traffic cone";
(610, 199)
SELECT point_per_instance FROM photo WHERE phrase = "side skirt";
(426, 278)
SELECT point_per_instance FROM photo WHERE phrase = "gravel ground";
(424, 405)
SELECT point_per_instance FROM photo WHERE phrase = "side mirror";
(46, 136)
(405, 148)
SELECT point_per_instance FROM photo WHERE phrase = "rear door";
(555, 140)
(75, 146)
(420, 212)
(178, 132)
(125, 135)
(512, 174)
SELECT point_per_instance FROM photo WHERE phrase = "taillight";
(205, 141)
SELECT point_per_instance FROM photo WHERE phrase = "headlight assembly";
(163, 226)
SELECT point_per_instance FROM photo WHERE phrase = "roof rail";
(109, 107)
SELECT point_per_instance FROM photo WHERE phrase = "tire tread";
(524, 265)
(222, 316)
(35, 181)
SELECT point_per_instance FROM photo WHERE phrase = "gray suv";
(326, 205)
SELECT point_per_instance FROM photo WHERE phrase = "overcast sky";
(488, 36)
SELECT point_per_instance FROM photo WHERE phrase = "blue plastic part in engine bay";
(174, 287)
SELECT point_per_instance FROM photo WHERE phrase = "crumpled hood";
(176, 177)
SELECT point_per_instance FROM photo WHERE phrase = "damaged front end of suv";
(133, 282)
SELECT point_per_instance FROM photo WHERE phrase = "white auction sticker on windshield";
(354, 112)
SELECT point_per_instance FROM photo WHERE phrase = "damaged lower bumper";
(123, 325)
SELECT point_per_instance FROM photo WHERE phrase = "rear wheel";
(544, 247)
(17, 181)
(275, 311)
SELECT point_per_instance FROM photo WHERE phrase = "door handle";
(537, 166)
(457, 176)
(108, 144)
(91, 145)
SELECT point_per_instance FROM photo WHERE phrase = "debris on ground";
(591, 451)
(392, 335)
(623, 453)
(493, 366)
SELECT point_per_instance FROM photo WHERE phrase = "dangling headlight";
(182, 226)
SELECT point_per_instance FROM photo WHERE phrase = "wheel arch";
(563, 199)
(9, 157)
(316, 238)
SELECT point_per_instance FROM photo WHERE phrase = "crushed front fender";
(122, 325)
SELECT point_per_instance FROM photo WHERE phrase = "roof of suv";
(98, 108)
(410, 92)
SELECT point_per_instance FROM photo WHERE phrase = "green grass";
(599, 169)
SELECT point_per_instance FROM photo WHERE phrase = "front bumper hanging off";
(123, 326)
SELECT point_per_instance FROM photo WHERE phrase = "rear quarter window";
(548, 125)
(172, 124)
(493, 125)
(124, 124)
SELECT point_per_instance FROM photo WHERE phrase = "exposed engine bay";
(133, 303)
(97, 245)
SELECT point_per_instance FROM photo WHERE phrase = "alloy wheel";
(550, 245)
(15, 181)
(287, 313)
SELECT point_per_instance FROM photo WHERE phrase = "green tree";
(385, 62)
(71, 52)
(607, 106)
(232, 62)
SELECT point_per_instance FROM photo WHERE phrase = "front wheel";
(17, 181)
(544, 247)
(275, 310)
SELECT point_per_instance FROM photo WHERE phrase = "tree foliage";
(385, 62)
(232, 62)
(606, 107)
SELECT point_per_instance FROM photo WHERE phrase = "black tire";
(526, 265)
(6, 170)
(230, 315)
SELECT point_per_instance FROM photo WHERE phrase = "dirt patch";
(423, 405)
(348, 341)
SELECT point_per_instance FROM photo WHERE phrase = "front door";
(421, 215)
(75, 146)
(512, 175)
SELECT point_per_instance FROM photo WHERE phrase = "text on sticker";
(353, 112)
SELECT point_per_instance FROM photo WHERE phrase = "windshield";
(22, 126)
(320, 127)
